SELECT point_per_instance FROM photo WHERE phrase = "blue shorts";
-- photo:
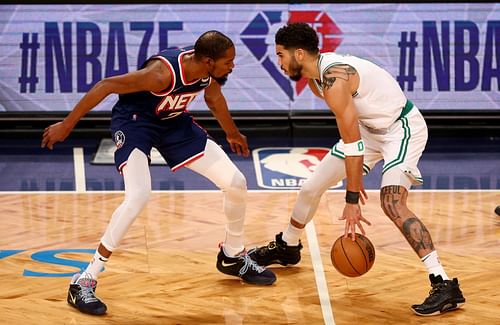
(179, 140)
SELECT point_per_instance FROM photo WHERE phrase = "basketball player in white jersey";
(376, 122)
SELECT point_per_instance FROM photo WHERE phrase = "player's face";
(288, 63)
(223, 66)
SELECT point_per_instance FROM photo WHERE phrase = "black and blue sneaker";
(245, 268)
(81, 295)
(444, 296)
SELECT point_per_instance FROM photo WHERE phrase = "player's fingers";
(346, 230)
(353, 232)
(232, 146)
(363, 197)
(365, 220)
(360, 226)
(238, 149)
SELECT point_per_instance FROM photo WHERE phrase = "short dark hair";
(212, 44)
(298, 35)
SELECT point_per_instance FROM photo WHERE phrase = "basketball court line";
(319, 274)
(79, 166)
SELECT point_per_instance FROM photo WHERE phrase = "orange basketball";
(352, 258)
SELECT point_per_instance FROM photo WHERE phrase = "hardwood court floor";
(164, 271)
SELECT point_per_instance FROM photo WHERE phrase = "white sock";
(433, 265)
(230, 251)
(291, 235)
(95, 266)
(233, 244)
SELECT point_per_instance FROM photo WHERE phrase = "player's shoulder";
(336, 56)
(332, 58)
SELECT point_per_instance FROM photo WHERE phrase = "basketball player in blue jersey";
(376, 122)
(151, 112)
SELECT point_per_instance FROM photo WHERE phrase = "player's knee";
(137, 199)
(238, 184)
(234, 187)
(392, 207)
(309, 190)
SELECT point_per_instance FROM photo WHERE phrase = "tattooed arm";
(339, 83)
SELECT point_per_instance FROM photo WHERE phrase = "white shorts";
(400, 146)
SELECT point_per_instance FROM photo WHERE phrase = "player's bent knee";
(309, 190)
(393, 208)
(237, 187)
(137, 200)
(239, 181)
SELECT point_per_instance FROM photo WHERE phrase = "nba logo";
(286, 168)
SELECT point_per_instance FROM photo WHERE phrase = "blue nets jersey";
(170, 102)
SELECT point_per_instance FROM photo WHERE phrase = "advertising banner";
(445, 56)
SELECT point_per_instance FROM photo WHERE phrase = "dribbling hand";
(352, 216)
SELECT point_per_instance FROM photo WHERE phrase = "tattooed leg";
(393, 201)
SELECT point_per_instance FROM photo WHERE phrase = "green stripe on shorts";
(403, 148)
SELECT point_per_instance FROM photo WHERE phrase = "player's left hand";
(238, 143)
(353, 217)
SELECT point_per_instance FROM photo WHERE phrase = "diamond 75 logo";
(256, 34)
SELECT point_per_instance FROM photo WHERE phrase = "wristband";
(351, 197)
(354, 148)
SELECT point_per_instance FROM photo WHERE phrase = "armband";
(354, 148)
(351, 197)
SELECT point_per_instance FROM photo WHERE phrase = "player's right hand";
(353, 217)
(238, 143)
(57, 132)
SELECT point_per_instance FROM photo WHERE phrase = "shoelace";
(87, 291)
(434, 291)
(249, 263)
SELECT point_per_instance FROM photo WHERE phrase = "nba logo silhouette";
(286, 168)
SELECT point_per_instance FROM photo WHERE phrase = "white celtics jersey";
(379, 99)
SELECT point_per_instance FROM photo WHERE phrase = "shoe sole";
(266, 282)
(455, 306)
(86, 312)
(278, 262)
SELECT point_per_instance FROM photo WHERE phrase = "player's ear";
(209, 61)
(299, 54)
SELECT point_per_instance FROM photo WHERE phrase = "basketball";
(353, 258)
